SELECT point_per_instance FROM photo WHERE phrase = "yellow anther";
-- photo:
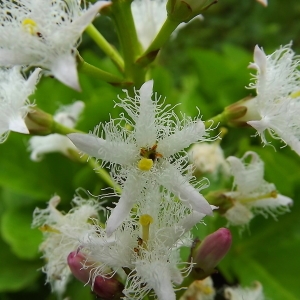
(47, 228)
(272, 194)
(145, 221)
(295, 94)
(145, 164)
(30, 26)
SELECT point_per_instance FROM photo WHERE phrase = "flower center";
(272, 194)
(47, 228)
(149, 156)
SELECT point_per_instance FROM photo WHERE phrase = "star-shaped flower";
(251, 192)
(14, 103)
(146, 245)
(147, 154)
(45, 34)
(276, 107)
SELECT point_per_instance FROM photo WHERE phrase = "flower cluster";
(154, 215)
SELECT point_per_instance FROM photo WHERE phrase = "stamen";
(47, 228)
(145, 164)
(30, 26)
(295, 94)
(145, 221)
(272, 194)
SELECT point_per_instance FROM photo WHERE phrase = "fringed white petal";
(41, 145)
(116, 152)
(17, 124)
(86, 18)
(181, 139)
(145, 129)
(11, 58)
(172, 180)
(64, 69)
(156, 275)
(131, 194)
(247, 177)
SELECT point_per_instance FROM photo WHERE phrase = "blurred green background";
(204, 66)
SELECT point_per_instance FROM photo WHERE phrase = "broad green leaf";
(16, 274)
(17, 232)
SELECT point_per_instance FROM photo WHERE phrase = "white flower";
(200, 290)
(148, 153)
(278, 96)
(252, 192)
(14, 103)
(208, 158)
(62, 233)
(40, 145)
(149, 16)
(45, 34)
(239, 293)
(146, 245)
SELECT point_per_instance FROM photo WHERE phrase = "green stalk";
(218, 119)
(122, 16)
(61, 129)
(104, 175)
(95, 72)
(107, 48)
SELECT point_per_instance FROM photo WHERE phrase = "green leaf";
(17, 232)
(15, 274)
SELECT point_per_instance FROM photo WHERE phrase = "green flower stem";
(61, 129)
(131, 48)
(107, 48)
(162, 37)
(104, 175)
(218, 119)
(95, 72)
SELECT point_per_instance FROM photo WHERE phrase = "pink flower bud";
(208, 253)
(105, 288)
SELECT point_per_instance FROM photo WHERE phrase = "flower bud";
(184, 11)
(39, 122)
(105, 288)
(239, 113)
(208, 253)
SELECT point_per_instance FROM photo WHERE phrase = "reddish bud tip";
(208, 253)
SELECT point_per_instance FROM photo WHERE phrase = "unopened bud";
(39, 122)
(185, 10)
(105, 288)
(239, 113)
(208, 253)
